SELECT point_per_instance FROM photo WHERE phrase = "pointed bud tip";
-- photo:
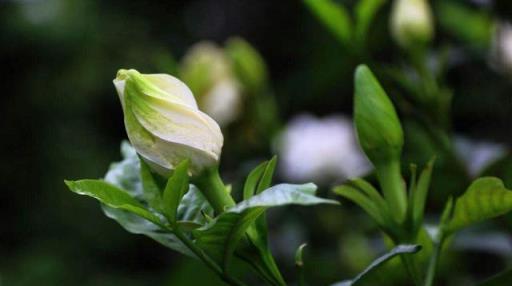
(123, 74)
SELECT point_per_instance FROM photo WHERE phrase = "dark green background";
(60, 118)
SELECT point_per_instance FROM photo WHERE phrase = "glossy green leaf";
(194, 207)
(176, 187)
(281, 195)
(485, 198)
(137, 225)
(111, 196)
(398, 250)
(221, 237)
(126, 173)
(334, 17)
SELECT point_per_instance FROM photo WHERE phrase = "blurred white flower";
(320, 150)
(223, 102)
(477, 155)
(502, 47)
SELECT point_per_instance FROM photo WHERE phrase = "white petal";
(174, 87)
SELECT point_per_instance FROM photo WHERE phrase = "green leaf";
(365, 11)
(126, 173)
(194, 207)
(258, 232)
(485, 198)
(363, 201)
(221, 237)
(398, 250)
(176, 187)
(281, 195)
(419, 195)
(334, 17)
(111, 196)
(478, 25)
(266, 178)
(371, 192)
(252, 180)
(137, 225)
(150, 188)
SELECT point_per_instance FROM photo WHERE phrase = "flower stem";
(434, 260)
(207, 260)
(411, 267)
(390, 179)
(212, 187)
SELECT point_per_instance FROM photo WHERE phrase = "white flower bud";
(411, 22)
(164, 124)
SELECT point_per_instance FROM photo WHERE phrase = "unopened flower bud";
(164, 124)
(380, 135)
(411, 22)
(378, 128)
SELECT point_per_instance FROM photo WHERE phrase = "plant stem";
(411, 267)
(205, 258)
(390, 179)
(434, 260)
(212, 187)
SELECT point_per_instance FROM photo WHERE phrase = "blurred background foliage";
(61, 118)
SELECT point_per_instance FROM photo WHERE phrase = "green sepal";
(175, 189)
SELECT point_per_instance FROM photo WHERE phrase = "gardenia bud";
(411, 22)
(164, 124)
(378, 128)
(209, 73)
(380, 135)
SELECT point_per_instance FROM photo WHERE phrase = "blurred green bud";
(380, 135)
(164, 124)
(209, 73)
(378, 128)
(411, 23)
(247, 63)
(203, 66)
